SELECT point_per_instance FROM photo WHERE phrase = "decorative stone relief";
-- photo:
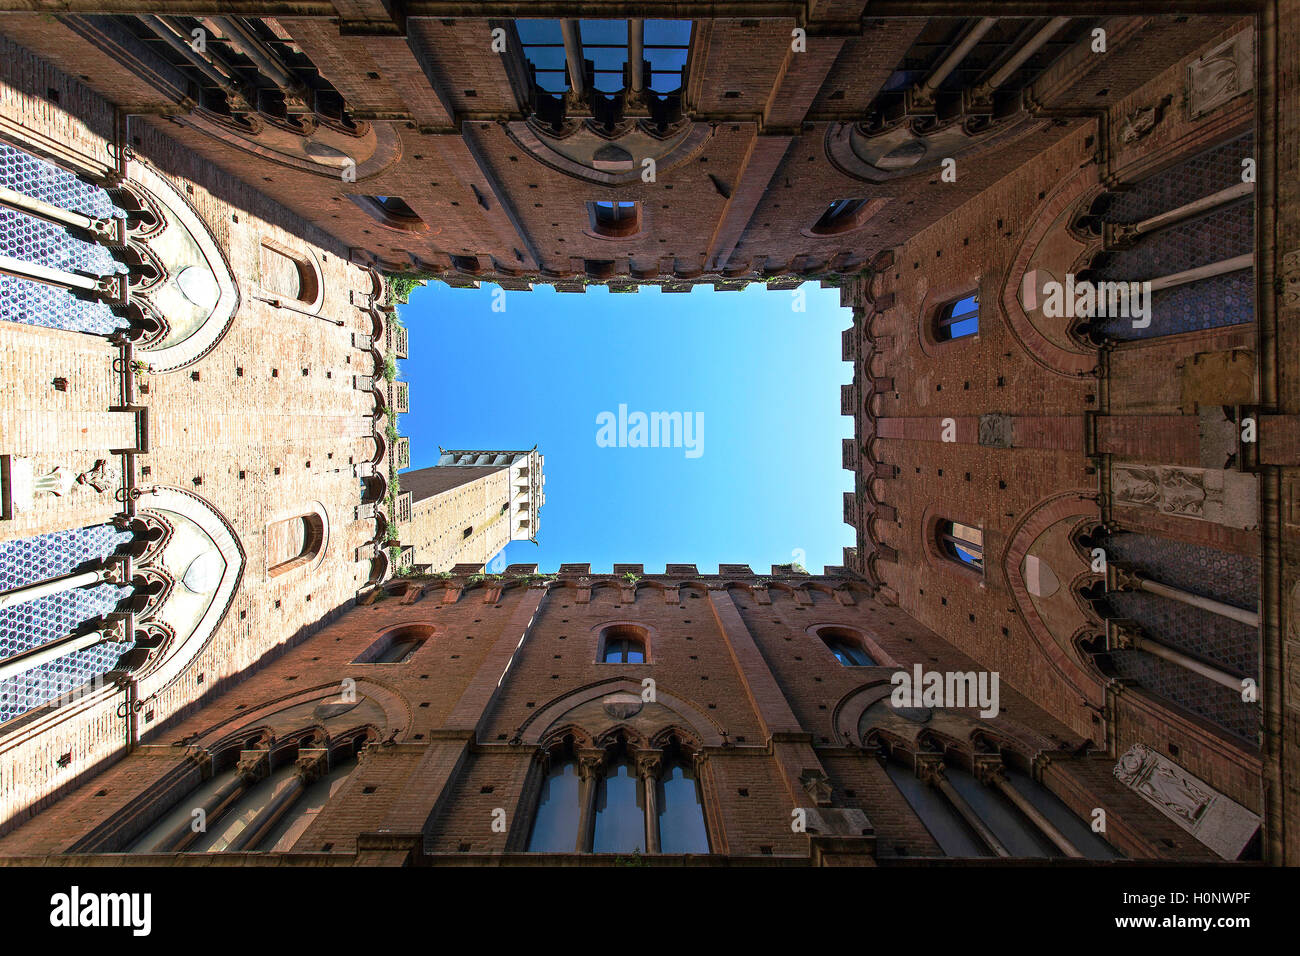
(1291, 279)
(1040, 580)
(1142, 121)
(1223, 825)
(22, 486)
(1225, 72)
(621, 706)
(1223, 497)
(995, 430)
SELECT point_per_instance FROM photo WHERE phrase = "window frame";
(614, 218)
(952, 545)
(945, 318)
(621, 630)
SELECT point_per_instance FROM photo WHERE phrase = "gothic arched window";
(958, 319)
(620, 811)
(681, 814)
(555, 824)
(621, 800)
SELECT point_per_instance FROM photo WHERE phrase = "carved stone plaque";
(1225, 72)
(995, 430)
(1223, 825)
(1224, 497)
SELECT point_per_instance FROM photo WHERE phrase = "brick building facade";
(1097, 509)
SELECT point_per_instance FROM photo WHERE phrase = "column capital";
(988, 769)
(649, 763)
(253, 765)
(591, 764)
(312, 764)
(1121, 576)
(929, 769)
(1123, 634)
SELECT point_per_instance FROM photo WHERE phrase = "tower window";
(614, 219)
(958, 319)
(620, 811)
(555, 826)
(604, 45)
(666, 45)
(841, 216)
(623, 644)
(962, 543)
(390, 211)
(846, 648)
(624, 650)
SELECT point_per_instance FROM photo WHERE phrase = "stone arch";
(586, 707)
(197, 291)
(205, 557)
(325, 146)
(1070, 508)
(582, 153)
(1048, 246)
(323, 708)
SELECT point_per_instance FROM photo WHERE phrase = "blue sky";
(767, 487)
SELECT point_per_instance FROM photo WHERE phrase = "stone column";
(309, 767)
(253, 765)
(991, 774)
(1122, 634)
(66, 582)
(649, 764)
(591, 767)
(1124, 234)
(929, 768)
(1120, 577)
(636, 54)
(1235, 264)
(573, 56)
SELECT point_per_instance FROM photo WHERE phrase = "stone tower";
(470, 505)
